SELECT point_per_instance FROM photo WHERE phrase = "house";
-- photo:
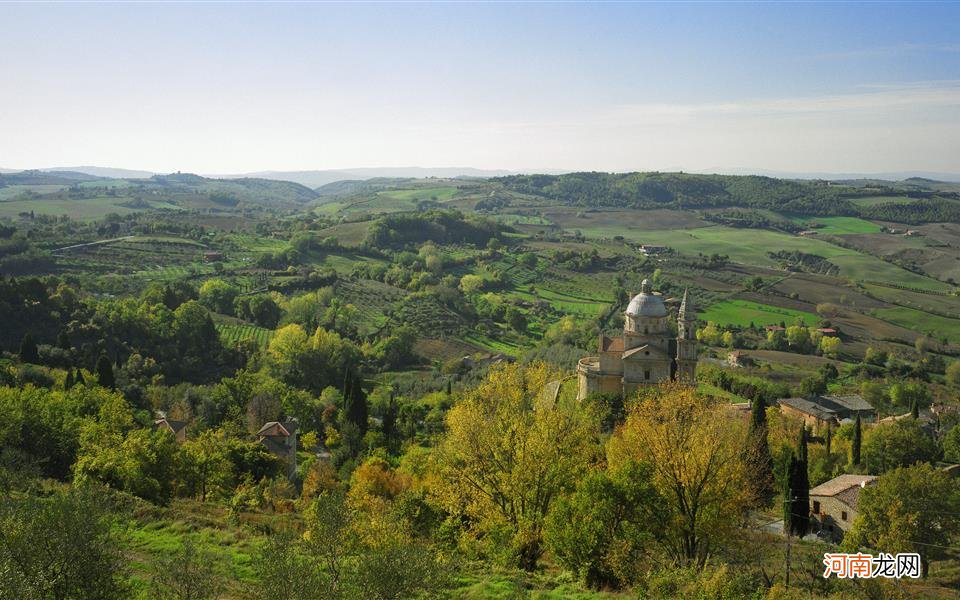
(828, 331)
(652, 250)
(281, 440)
(821, 411)
(834, 504)
(738, 358)
(177, 428)
(212, 256)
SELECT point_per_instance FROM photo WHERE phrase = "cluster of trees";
(399, 231)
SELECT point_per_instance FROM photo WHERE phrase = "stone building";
(834, 504)
(647, 353)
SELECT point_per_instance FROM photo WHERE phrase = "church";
(647, 353)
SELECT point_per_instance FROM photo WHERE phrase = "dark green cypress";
(63, 341)
(68, 381)
(105, 373)
(760, 459)
(801, 489)
(915, 409)
(80, 379)
(28, 349)
(355, 409)
(857, 440)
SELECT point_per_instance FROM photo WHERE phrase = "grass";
(837, 225)
(742, 313)
(751, 247)
(875, 200)
(921, 322)
(440, 194)
(233, 333)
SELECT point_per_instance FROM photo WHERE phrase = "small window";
(816, 508)
(843, 515)
(646, 375)
(646, 330)
(646, 352)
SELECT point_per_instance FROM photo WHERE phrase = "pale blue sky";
(222, 87)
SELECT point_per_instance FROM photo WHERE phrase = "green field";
(751, 247)
(919, 321)
(741, 313)
(837, 225)
(875, 200)
(232, 333)
(440, 194)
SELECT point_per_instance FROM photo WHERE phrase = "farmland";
(743, 313)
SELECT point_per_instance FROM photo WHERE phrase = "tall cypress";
(857, 440)
(68, 381)
(105, 372)
(801, 488)
(915, 409)
(760, 458)
(28, 349)
(789, 521)
(80, 379)
(355, 409)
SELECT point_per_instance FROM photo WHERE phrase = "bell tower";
(686, 341)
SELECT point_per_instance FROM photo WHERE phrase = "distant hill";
(108, 172)
(315, 179)
(350, 187)
(37, 177)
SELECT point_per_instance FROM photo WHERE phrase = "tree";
(69, 381)
(898, 444)
(517, 320)
(797, 500)
(905, 393)
(206, 468)
(830, 346)
(470, 284)
(700, 468)
(953, 374)
(508, 454)
(59, 546)
(63, 340)
(105, 373)
(218, 296)
(607, 521)
(28, 349)
(355, 408)
(951, 445)
(909, 509)
(187, 574)
(857, 441)
(761, 463)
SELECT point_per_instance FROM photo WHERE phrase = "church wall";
(634, 370)
(611, 362)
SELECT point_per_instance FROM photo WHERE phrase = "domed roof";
(646, 303)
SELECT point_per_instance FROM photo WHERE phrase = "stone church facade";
(647, 353)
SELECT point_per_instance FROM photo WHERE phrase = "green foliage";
(104, 372)
(59, 546)
(218, 295)
(28, 349)
(899, 444)
(909, 509)
(600, 531)
(187, 574)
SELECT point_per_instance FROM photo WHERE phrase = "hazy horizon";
(223, 89)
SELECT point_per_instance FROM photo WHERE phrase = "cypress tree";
(68, 381)
(449, 387)
(105, 372)
(80, 379)
(789, 522)
(857, 440)
(28, 349)
(760, 458)
(801, 489)
(355, 409)
(915, 409)
(63, 341)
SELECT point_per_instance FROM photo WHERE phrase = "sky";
(231, 88)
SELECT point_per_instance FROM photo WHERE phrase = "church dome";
(646, 303)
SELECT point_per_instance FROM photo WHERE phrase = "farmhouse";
(834, 504)
(828, 410)
(281, 440)
(646, 353)
(177, 428)
(652, 250)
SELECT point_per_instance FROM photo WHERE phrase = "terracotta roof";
(273, 428)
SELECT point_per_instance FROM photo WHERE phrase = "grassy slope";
(743, 312)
